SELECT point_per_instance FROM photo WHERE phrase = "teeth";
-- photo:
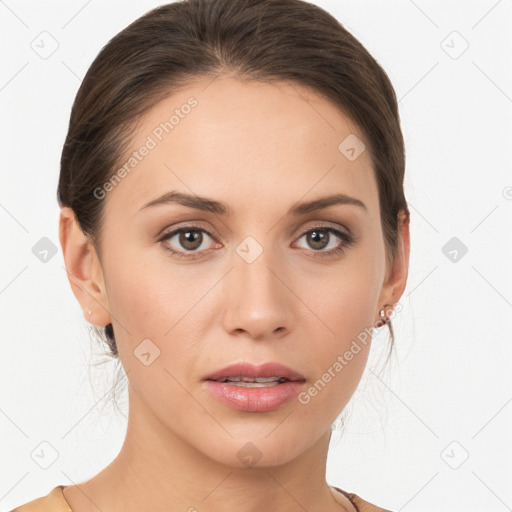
(254, 382)
(250, 379)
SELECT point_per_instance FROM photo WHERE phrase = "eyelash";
(348, 240)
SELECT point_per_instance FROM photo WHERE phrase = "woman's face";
(257, 280)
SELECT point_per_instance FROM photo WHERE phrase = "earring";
(383, 318)
(89, 312)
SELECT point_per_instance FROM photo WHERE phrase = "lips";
(257, 389)
(267, 373)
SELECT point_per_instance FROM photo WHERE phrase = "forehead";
(243, 141)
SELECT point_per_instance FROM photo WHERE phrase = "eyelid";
(325, 225)
(296, 232)
(191, 224)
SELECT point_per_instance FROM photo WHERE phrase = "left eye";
(319, 238)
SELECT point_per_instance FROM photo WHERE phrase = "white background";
(451, 379)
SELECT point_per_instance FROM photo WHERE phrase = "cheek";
(344, 303)
(348, 314)
(346, 299)
(155, 300)
(151, 295)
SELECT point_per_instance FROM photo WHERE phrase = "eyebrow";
(209, 205)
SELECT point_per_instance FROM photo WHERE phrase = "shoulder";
(54, 501)
(360, 504)
(365, 506)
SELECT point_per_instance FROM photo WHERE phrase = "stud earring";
(383, 317)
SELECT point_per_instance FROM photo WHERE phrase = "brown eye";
(187, 241)
(190, 240)
(319, 238)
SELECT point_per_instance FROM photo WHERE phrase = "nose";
(258, 301)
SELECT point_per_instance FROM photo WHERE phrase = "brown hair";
(271, 40)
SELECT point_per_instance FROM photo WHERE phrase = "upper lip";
(245, 369)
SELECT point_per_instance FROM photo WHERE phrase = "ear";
(396, 279)
(83, 268)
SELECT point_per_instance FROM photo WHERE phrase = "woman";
(233, 215)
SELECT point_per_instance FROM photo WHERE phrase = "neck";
(157, 470)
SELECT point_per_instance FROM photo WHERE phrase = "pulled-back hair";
(270, 40)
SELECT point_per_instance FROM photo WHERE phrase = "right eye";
(190, 238)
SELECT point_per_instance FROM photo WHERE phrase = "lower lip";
(261, 399)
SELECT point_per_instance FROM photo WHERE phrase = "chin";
(259, 450)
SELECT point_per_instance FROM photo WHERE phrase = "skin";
(259, 148)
